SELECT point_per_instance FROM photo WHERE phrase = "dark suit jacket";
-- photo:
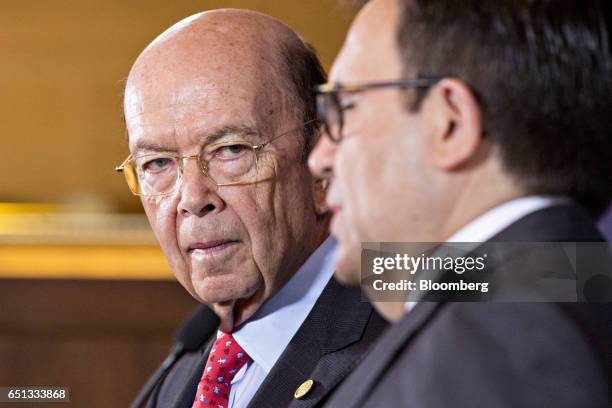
(450, 354)
(326, 348)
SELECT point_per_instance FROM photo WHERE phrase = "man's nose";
(198, 193)
(321, 159)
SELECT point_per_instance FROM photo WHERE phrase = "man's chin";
(347, 268)
(347, 279)
(221, 296)
(232, 304)
(222, 288)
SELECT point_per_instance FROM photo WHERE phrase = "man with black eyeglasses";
(473, 122)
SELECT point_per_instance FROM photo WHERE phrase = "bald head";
(219, 43)
(220, 50)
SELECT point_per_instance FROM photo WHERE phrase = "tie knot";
(226, 358)
(227, 355)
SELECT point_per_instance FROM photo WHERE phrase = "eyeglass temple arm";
(356, 87)
(262, 145)
(121, 167)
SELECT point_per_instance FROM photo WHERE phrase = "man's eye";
(230, 152)
(157, 165)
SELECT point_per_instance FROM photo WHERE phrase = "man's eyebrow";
(208, 138)
(231, 130)
(143, 146)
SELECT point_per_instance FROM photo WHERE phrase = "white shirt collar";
(266, 335)
(488, 224)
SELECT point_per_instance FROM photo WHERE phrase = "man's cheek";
(162, 215)
(162, 218)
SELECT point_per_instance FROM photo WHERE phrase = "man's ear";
(320, 191)
(455, 121)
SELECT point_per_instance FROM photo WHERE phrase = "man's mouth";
(210, 247)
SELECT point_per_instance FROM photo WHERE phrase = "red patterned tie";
(225, 359)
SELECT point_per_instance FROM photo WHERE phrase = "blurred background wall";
(62, 71)
(86, 297)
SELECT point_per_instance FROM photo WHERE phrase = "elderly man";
(219, 112)
(472, 121)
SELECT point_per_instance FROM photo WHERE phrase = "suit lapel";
(292, 368)
(371, 369)
(337, 320)
(186, 396)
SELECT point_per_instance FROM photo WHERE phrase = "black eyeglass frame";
(329, 92)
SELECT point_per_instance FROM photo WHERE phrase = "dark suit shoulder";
(527, 355)
(561, 223)
(494, 354)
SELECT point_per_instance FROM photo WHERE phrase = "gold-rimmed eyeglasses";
(225, 163)
(330, 108)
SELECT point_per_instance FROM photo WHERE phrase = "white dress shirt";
(495, 220)
(266, 335)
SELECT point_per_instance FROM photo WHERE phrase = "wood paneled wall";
(102, 339)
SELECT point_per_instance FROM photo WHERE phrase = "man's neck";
(479, 194)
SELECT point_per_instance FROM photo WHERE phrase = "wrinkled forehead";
(165, 78)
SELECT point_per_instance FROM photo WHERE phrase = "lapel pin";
(303, 389)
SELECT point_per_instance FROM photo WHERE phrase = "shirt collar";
(266, 335)
(499, 218)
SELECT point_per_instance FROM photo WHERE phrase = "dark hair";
(301, 67)
(541, 72)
